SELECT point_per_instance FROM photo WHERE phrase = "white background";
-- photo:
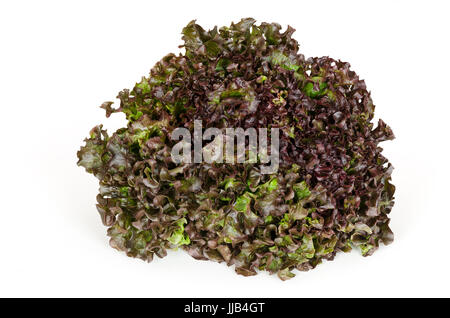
(59, 60)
